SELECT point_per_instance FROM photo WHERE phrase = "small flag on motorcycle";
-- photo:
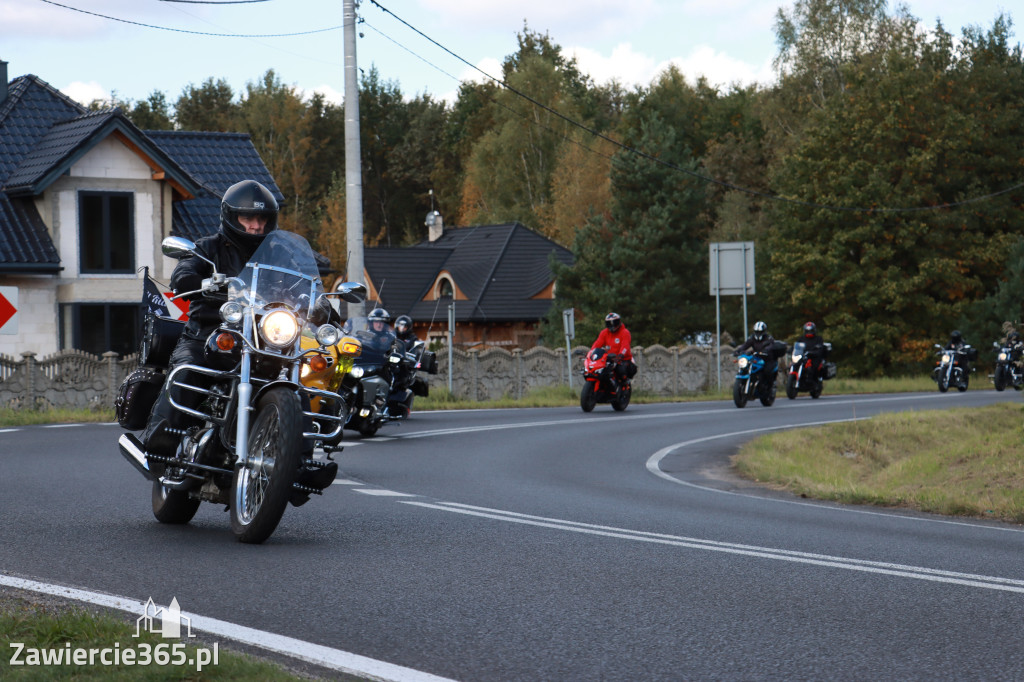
(153, 301)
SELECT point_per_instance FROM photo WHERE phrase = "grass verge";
(960, 462)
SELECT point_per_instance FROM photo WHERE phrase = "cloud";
(85, 93)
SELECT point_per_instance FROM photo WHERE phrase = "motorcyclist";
(761, 342)
(248, 212)
(957, 343)
(616, 338)
(404, 332)
(815, 349)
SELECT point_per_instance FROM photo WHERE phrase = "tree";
(208, 107)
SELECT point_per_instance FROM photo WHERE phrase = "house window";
(106, 236)
(445, 288)
(99, 327)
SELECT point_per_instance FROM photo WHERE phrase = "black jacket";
(190, 272)
(763, 346)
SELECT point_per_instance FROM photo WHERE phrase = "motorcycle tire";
(816, 391)
(1000, 378)
(369, 429)
(962, 386)
(587, 397)
(791, 389)
(739, 395)
(173, 506)
(768, 395)
(621, 400)
(943, 384)
(262, 487)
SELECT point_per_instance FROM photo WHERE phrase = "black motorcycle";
(252, 449)
(384, 378)
(950, 370)
(1008, 372)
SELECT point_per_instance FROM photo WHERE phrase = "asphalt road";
(549, 544)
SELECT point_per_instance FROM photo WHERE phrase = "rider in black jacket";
(814, 348)
(248, 212)
(761, 342)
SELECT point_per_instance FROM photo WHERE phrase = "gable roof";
(500, 269)
(43, 133)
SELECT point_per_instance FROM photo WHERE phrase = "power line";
(199, 33)
(667, 164)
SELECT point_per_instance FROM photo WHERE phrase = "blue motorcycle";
(753, 380)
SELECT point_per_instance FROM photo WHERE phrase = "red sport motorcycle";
(600, 384)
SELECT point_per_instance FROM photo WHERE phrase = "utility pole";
(353, 154)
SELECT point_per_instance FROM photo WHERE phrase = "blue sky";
(86, 56)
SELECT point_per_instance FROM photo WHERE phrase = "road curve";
(550, 544)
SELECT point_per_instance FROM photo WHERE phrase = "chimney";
(435, 226)
(3, 81)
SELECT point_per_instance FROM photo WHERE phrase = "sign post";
(732, 274)
(451, 341)
(569, 324)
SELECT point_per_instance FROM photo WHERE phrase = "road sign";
(732, 269)
(8, 310)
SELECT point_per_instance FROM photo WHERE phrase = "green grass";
(52, 626)
(960, 462)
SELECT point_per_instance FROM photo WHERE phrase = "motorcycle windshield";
(798, 348)
(282, 272)
(377, 339)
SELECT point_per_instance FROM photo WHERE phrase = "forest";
(881, 178)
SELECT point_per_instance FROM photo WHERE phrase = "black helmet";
(403, 327)
(760, 329)
(810, 330)
(613, 321)
(956, 337)
(378, 315)
(249, 198)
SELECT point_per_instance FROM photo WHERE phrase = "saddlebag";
(420, 387)
(830, 370)
(159, 337)
(779, 349)
(136, 396)
(428, 362)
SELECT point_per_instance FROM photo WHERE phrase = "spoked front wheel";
(263, 485)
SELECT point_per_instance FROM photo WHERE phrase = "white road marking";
(382, 493)
(878, 567)
(345, 481)
(335, 659)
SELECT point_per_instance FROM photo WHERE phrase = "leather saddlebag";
(136, 396)
(428, 362)
(159, 337)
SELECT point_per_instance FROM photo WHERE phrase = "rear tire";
(173, 506)
(739, 395)
(262, 488)
(621, 400)
(816, 391)
(768, 396)
(587, 398)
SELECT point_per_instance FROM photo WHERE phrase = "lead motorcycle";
(253, 450)
(949, 369)
(753, 380)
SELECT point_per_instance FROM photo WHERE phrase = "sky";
(141, 46)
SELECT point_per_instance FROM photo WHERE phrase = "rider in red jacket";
(617, 339)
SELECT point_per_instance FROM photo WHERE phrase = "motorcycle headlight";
(357, 372)
(946, 358)
(1002, 357)
(279, 328)
(743, 362)
(328, 335)
(231, 312)
(797, 358)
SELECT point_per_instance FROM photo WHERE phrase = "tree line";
(880, 178)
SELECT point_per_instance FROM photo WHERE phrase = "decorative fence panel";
(75, 379)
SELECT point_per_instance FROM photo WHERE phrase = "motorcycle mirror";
(351, 292)
(177, 247)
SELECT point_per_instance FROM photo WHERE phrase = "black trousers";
(155, 438)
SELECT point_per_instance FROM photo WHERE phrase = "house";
(85, 200)
(498, 277)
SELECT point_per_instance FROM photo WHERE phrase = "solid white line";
(382, 493)
(654, 466)
(345, 481)
(883, 568)
(335, 659)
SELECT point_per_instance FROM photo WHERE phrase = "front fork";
(244, 398)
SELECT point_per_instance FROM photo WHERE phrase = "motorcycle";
(383, 380)
(253, 448)
(600, 384)
(1008, 372)
(804, 374)
(753, 380)
(949, 368)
